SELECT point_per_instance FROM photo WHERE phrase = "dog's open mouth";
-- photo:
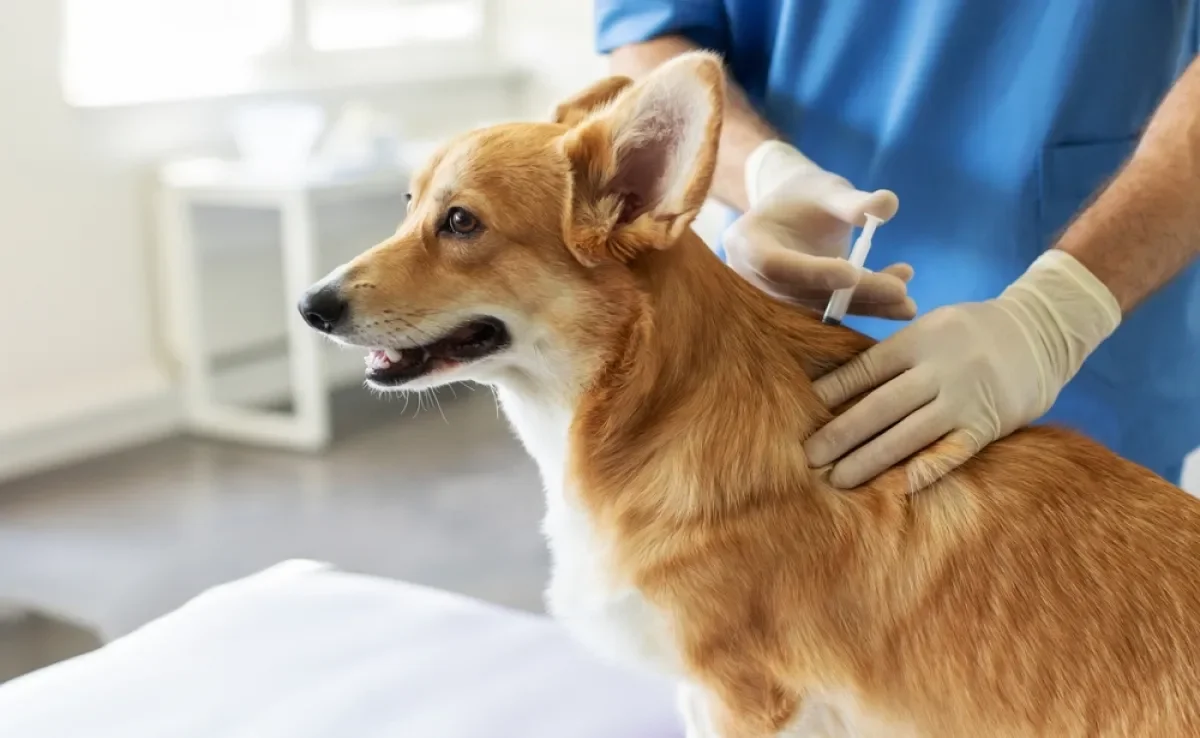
(469, 342)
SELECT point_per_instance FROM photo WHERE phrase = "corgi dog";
(1044, 588)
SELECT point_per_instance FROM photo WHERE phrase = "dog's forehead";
(495, 156)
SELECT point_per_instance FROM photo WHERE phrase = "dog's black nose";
(323, 308)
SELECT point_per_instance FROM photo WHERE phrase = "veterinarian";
(995, 122)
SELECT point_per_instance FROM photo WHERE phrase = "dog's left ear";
(642, 166)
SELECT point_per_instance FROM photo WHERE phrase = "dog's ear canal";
(641, 165)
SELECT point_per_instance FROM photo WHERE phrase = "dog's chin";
(455, 356)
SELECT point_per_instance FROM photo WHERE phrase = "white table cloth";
(304, 651)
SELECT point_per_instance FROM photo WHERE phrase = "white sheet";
(305, 651)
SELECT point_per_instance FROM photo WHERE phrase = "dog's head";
(515, 253)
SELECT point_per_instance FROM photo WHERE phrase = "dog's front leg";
(749, 706)
(811, 721)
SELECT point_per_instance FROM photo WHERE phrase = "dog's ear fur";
(641, 166)
(570, 112)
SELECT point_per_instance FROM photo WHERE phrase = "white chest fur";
(610, 617)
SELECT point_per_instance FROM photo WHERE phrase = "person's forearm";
(742, 130)
(1145, 227)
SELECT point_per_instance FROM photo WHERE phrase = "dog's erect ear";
(575, 109)
(641, 166)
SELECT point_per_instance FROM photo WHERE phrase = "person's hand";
(969, 373)
(792, 241)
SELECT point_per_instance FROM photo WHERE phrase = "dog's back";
(1071, 598)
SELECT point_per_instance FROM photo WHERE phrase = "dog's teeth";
(392, 354)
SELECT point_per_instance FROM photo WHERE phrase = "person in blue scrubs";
(995, 124)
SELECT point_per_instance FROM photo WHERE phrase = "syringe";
(839, 302)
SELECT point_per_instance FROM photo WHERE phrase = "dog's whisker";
(438, 403)
(496, 399)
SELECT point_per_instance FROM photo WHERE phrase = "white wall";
(76, 332)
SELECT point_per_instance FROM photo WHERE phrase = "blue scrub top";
(994, 122)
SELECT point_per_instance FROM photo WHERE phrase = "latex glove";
(792, 241)
(969, 373)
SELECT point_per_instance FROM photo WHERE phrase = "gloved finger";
(762, 246)
(880, 287)
(874, 414)
(868, 370)
(900, 270)
(796, 275)
(851, 205)
(790, 225)
(905, 310)
(801, 274)
(799, 222)
(910, 435)
(941, 458)
(884, 294)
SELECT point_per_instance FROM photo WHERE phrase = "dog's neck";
(703, 322)
(693, 343)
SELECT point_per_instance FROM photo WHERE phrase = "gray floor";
(441, 497)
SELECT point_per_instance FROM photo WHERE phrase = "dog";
(1044, 588)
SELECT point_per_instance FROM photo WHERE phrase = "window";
(337, 25)
(127, 51)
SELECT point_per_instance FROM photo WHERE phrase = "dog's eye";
(460, 222)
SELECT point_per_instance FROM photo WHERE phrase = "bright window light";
(128, 51)
(115, 48)
(369, 24)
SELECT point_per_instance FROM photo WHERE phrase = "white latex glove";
(969, 373)
(792, 241)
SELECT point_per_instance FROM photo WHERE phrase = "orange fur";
(1045, 588)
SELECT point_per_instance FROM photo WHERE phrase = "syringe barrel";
(839, 303)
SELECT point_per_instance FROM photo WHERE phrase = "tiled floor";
(446, 498)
